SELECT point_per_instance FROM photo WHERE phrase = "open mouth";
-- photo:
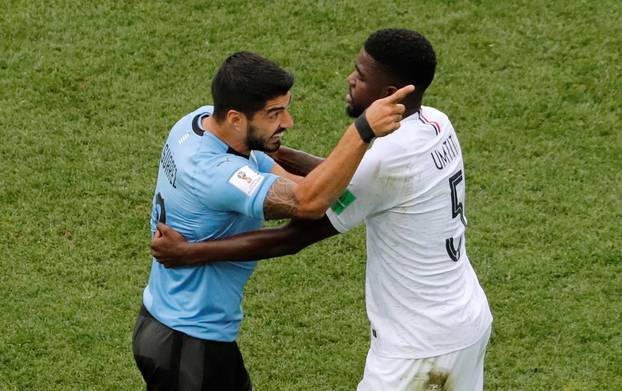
(278, 135)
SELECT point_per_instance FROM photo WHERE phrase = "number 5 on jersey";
(457, 209)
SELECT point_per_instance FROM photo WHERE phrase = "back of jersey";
(423, 298)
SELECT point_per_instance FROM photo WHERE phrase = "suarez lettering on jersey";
(168, 165)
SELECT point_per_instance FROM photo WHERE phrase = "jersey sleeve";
(363, 197)
(264, 162)
(232, 184)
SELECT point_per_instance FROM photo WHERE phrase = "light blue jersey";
(205, 191)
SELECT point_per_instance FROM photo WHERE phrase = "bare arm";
(311, 197)
(280, 171)
(171, 249)
(295, 161)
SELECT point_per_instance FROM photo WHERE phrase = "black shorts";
(171, 360)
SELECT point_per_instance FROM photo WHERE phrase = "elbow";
(311, 207)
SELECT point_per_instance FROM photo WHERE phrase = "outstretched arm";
(312, 196)
(171, 249)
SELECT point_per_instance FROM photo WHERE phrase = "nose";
(351, 79)
(287, 121)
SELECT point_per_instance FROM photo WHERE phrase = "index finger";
(401, 93)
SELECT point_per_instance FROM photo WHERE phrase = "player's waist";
(219, 334)
(206, 318)
(425, 337)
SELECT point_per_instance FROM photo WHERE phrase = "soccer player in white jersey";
(214, 181)
(429, 318)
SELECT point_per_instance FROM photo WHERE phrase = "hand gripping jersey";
(423, 297)
(205, 191)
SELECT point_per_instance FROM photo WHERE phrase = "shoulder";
(393, 144)
(226, 170)
(431, 115)
(207, 109)
(218, 165)
(185, 123)
(419, 129)
(220, 179)
(433, 112)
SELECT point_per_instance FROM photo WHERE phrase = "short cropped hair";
(245, 82)
(406, 54)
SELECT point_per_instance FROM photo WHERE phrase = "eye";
(357, 73)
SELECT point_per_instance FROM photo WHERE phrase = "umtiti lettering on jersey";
(168, 165)
(447, 152)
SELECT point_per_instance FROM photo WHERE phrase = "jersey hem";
(334, 220)
(411, 353)
(209, 337)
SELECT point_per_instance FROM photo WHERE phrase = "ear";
(236, 120)
(389, 90)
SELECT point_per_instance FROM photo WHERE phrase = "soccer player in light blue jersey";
(215, 181)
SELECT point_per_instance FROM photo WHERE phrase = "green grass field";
(88, 92)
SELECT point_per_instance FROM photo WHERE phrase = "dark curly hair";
(407, 56)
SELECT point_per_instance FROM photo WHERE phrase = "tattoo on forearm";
(280, 202)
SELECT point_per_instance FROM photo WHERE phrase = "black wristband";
(365, 131)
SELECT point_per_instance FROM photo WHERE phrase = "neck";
(410, 111)
(227, 134)
(412, 106)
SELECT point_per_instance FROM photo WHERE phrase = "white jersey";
(423, 298)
